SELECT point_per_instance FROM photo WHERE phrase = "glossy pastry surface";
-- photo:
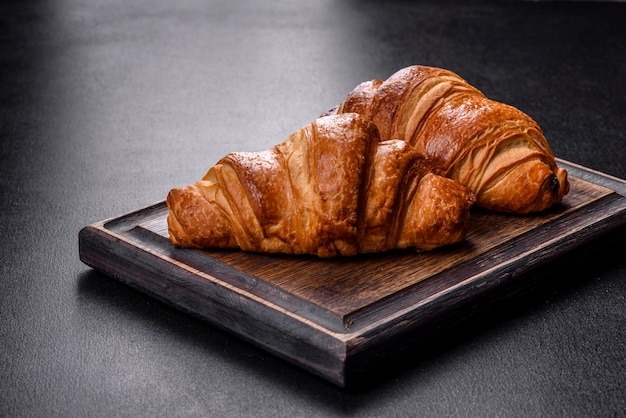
(493, 148)
(331, 188)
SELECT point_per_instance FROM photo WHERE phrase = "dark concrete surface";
(105, 106)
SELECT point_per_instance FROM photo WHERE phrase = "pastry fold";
(331, 188)
(496, 150)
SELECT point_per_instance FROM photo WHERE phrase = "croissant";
(331, 188)
(496, 150)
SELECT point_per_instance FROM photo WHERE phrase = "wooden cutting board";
(340, 317)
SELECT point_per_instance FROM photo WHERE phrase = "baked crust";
(493, 148)
(331, 188)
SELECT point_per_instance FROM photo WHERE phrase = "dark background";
(106, 105)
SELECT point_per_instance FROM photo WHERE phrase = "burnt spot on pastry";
(554, 184)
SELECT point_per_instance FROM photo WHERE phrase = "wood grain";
(335, 316)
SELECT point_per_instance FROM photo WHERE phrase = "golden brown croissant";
(495, 149)
(331, 188)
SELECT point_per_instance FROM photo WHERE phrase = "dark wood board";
(340, 317)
